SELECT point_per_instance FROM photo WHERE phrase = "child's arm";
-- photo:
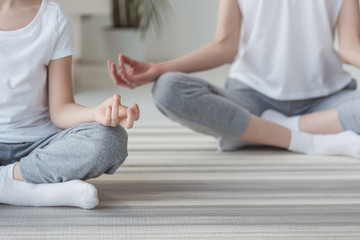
(65, 113)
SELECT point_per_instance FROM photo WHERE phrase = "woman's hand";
(139, 72)
(112, 113)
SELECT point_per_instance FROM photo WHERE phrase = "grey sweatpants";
(224, 113)
(82, 152)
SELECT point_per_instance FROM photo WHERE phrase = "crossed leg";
(233, 115)
(51, 166)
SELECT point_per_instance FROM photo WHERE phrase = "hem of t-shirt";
(294, 96)
(27, 138)
(62, 53)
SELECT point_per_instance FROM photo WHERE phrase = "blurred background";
(174, 28)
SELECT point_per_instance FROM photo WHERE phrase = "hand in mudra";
(138, 73)
(112, 113)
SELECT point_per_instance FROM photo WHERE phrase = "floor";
(175, 185)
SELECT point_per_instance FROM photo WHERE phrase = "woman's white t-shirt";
(24, 57)
(287, 48)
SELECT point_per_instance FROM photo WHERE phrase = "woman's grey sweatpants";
(224, 113)
(82, 152)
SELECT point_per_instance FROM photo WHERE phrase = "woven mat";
(175, 185)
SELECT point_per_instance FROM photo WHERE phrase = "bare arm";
(223, 49)
(349, 33)
(65, 113)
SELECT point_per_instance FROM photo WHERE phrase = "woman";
(286, 62)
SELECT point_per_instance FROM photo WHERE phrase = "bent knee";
(168, 88)
(110, 148)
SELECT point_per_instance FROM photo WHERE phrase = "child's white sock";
(74, 193)
(280, 119)
(344, 143)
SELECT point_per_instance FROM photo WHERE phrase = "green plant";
(138, 13)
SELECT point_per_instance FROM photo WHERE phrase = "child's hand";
(112, 113)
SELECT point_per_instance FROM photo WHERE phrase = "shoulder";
(56, 15)
(53, 10)
(53, 7)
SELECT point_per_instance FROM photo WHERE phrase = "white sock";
(280, 119)
(74, 193)
(7, 171)
(344, 143)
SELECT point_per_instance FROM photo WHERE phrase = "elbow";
(227, 49)
(349, 52)
(56, 119)
(231, 55)
(345, 55)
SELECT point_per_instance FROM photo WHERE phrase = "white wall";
(192, 23)
(189, 25)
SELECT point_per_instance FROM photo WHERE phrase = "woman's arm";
(349, 33)
(223, 49)
(65, 113)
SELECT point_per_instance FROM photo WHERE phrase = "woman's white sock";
(7, 171)
(74, 193)
(344, 143)
(282, 120)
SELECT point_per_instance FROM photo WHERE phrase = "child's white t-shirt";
(287, 48)
(24, 57)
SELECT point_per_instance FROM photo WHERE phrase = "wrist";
(92, 111)
(162, 68)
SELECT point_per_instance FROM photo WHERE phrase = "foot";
(281, 119)
(74, 193)
(344, 143)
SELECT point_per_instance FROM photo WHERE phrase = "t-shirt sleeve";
(65, 45)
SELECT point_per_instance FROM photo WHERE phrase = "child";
(40, 165)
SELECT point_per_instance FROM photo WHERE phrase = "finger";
(107, 120)
(115, 111)
(130, 119)
(123, 73)
(136, 111)
(127, 60)
(123, 115)
(117, 79)
(113, 73)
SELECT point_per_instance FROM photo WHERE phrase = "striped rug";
(175, 185)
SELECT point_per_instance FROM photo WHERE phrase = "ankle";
(16, 173)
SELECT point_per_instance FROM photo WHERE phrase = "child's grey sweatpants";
(224, 113)
(82, 152)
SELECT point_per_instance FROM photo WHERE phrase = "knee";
(110, 149)
(168, 89)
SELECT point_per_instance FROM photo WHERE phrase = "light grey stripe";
(183, 188)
